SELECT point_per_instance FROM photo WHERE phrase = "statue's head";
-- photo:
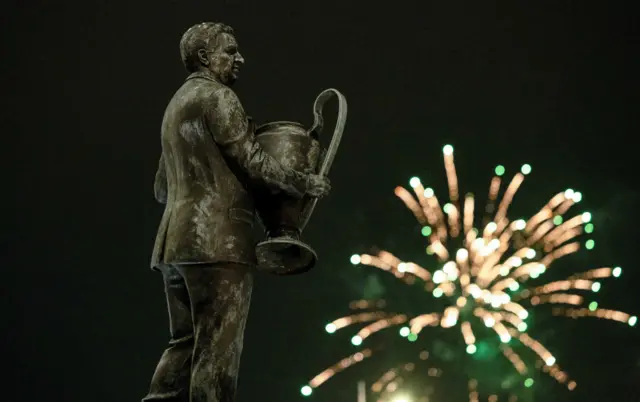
(211, 46)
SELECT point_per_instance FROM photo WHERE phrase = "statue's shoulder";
(220, 97)
(226, 95)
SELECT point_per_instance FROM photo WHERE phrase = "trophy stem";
(289, 232)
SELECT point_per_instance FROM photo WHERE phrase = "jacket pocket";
(242, 215)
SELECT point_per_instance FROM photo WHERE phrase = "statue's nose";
(239, 59)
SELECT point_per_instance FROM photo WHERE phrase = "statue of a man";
(204, 247)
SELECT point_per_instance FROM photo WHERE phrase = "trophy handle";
(316, 129)
(318, 125)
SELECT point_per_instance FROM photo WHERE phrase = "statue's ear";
(202, 56)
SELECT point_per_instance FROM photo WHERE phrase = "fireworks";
(481, 273)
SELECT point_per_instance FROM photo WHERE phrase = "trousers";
(208, 305)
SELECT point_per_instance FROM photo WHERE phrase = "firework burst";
(482, 272)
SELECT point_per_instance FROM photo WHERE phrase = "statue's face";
(225, 59)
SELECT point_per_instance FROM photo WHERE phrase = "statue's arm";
(230, 129)
(160, 183)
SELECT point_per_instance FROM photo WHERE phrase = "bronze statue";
(204, 249)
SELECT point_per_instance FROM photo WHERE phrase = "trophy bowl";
(283, 252)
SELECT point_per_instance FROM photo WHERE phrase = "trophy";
(283, 216)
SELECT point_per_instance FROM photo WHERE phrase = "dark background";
(552, 83)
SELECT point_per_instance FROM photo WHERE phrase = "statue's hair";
(200, 36)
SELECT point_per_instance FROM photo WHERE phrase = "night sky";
(552, 84)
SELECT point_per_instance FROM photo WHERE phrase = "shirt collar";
(204, 74)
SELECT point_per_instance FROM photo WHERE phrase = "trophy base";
(285, 256)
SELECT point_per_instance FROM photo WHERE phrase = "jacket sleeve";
(160, 183)
(230, 129)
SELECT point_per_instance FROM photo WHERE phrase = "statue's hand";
(318, 186)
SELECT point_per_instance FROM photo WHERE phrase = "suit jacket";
(209, 158)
